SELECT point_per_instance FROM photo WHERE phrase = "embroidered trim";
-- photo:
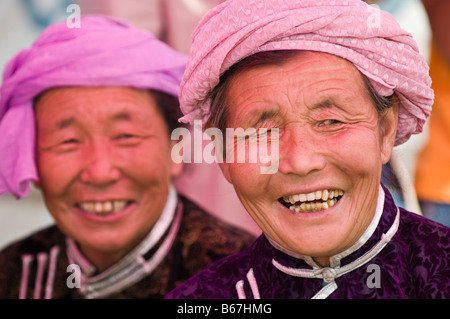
(335, 261)
(42, 262)
(329, 274)
(253, 286)
(42, 259)
(54, 252)
(240, 289)
(27, 259)
(326, 291)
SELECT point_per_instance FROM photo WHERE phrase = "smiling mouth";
(103, 207)
(312, 202)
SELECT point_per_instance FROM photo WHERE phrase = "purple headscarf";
(103, 52)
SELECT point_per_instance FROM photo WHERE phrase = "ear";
(388, 128)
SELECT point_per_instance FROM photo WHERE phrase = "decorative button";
(328, 274)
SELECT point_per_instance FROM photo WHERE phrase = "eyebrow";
(65, 123)
(60, 125)
(328, 103)
(265, 115)
(122, 116)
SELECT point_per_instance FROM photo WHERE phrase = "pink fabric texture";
(368, 37)
(102, 52)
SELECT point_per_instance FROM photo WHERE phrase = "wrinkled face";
(331, 151)
(104, 164)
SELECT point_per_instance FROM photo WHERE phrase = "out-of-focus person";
(86, 114)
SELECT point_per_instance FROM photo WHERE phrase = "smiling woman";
(343, 84)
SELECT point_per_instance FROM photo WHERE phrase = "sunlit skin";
(330, 137)
(98, 144)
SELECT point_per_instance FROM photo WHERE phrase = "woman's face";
(104, 164)
(331, 150)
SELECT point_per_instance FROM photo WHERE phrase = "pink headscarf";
(368, 37)
(102, 52)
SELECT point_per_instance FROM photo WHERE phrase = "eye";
(329, 122)
(67, 145)
(127, 139)
(70, 141)
(124, 136)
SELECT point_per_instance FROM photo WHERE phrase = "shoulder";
(428, 248)
(202, 228)
(422, 231)
(218, 280)
(15, 255)
(41, 240)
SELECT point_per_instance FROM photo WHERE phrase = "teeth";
(318, 195)
(103, 208)
(312, 207)
(314, 201)
(302, 197)
(323, 195)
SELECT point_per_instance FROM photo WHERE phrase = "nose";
(300, 152)
(99, 167)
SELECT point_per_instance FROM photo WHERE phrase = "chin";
(315, 242)
(105, 243)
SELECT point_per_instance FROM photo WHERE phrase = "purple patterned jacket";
(404, 256)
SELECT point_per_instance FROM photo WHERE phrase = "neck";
(322, 261)
(103, 259)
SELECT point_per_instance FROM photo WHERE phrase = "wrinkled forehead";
(295, 60)
(294, 70)
(91, 102)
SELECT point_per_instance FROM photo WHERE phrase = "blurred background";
(21, 22)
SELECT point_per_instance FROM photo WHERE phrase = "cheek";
(251, 186)
(56, 173)
(147, 164)
(357, 150)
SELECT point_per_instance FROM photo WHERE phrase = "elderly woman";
(102, 100)
(336, 85)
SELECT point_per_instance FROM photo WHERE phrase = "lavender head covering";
(368, 37)
(102, 52)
